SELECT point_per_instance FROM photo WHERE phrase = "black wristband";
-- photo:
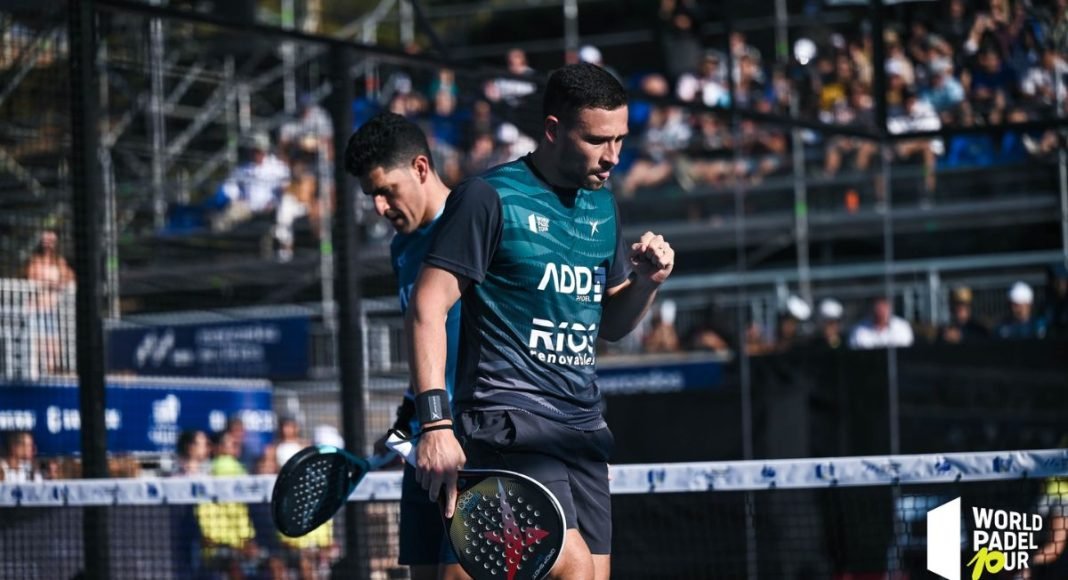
(405, 412)
(433, 406)
(435, 428)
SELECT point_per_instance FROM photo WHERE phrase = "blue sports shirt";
(406, 254)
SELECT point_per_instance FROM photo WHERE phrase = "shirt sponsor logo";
(563, 343)
(586, 284)
(537, 223)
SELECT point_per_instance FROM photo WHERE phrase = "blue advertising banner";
(666, 375)
(275, 348)
(142, 414)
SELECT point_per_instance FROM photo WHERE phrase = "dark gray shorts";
(572, 463)
(422, 534)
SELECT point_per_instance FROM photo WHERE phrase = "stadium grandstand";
(868, 316)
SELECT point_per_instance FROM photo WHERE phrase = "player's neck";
(546, 167)
(437, 193)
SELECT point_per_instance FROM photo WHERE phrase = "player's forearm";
(626, 308)
(427, 342)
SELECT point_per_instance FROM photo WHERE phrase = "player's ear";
(421, 166)
(552, 128)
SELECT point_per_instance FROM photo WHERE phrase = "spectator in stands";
(253, 188)
(662, 336)
(788, 327)
(306, 144)
(1045, 81)
(309, 136)
(962, 327)
(18, 465)
(194, 454)
(49, 269)
(666, 136)
(945, 92)
(1049, 561)
(764, 149)
(830, 334)
(881, 329)
(227, 534)
(708, 85)
(918, 115)
(756, 341)
(858, 111)
(1021, 323)
(990, 84)
(710, 333)
(955, 26)
(248, 449)
(47, 265)
(288, 441)
(512, 91)
(679, 33)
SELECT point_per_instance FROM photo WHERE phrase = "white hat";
(798, 308)
(805, 50)
(327, 435)
(507, 133)
(668, 309)
(590, 54)
(830, 309)
(1021, 293)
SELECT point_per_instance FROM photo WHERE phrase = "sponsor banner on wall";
(275, 348)
(141, 415)
(668, 376)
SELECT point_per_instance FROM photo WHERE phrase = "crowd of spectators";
(959, 63)
(825, 327)
(231, 540)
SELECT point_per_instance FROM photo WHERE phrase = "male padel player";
(390, 157)
(534, 250)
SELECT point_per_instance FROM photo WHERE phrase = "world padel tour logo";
(1000, 540)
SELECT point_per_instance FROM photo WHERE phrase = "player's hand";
(652, 258)
(438, 458)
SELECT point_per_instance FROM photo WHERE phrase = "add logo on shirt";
(586, 284)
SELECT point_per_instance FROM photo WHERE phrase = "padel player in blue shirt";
(533, 250)
(390, 157)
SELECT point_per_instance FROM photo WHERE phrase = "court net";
(847, 517)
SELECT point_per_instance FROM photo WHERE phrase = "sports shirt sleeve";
(469, 232)
(620, 268)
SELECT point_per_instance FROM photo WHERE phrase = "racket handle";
(379, 460)
(402, 446)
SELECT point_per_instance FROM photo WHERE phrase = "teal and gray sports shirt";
(539, 260)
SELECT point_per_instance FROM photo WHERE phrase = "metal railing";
(37, 333)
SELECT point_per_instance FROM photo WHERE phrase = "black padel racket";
(314, 484)
(506, 525)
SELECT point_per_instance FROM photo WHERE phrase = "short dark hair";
(387, 140)
(581, 86)
(185, 442)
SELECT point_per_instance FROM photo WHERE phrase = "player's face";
(589, 145)
(398, 195)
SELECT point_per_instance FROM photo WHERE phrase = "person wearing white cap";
(882, 329)
(830, 334)
(1021, 324)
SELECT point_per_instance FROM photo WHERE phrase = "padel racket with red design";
(313, 485)
(506, 525)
